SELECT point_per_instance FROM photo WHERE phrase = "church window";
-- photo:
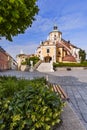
(59, 54)
(48, 50)
(54, 37)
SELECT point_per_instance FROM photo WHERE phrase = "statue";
(31, 66)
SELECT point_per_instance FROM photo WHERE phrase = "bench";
(58, 89)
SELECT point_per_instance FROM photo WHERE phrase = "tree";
(16, 16)
(35, 59)
(82, 55)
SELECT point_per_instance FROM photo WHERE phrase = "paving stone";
(70, 120)
(73, 82)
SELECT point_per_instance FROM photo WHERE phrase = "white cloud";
(41, 24)
(72, 21)
(69, 15)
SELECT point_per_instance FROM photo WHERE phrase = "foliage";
(23, 63)
(16, 16)
(35, 59)
(10, 85)
(33, 108)
(82, 55)
(83, 64)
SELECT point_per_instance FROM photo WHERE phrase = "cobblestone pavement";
(73, 82)
(75, 85)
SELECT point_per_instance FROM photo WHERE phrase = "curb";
(70, 120)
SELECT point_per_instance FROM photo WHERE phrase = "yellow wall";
(51, 53)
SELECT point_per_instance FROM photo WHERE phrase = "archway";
(47, 58)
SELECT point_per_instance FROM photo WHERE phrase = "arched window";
(48, 50)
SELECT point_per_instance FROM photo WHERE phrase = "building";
(6, 61)
(3, 59)
(56, 49)
(12, 63)
(21, 58)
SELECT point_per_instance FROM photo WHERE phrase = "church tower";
(55, 35)
(55, 28)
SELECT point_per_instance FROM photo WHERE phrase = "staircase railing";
(37, 64)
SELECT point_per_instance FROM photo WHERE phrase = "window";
(48, 50)
(54, 37)
(58, 54)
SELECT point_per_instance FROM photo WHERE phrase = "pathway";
(73, 82)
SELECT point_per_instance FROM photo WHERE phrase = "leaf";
(11, 1)
(19, 14)
(33, 106)
(1, 121)
(1, 19)
(47, 127)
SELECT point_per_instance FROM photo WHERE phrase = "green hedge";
(84, 64)
(35, 59)
(32, 106)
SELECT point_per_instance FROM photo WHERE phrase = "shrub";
(10, 85)
(35, 59)
(33, 108)
(82, 55)
(83, 64)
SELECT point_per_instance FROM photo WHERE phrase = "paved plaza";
(73, 82)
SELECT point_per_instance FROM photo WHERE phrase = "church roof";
(59, 45)
(69, 58)
(68, 43)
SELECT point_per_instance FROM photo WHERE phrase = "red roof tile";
(69, 58)
(59, 45)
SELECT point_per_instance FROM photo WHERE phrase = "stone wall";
(70, 68)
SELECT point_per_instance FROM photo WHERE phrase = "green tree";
(82, 55)
(35, 59)
(16, 16)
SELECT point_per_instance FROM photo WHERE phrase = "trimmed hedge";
(84, 64)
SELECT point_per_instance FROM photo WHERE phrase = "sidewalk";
(70, 120)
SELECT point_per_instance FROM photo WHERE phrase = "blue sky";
(69, 15)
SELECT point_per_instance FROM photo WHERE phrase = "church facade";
(56, 49)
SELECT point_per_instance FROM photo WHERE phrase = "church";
(56, 49)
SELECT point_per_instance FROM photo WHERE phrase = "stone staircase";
(45, 67)
(37, 64)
